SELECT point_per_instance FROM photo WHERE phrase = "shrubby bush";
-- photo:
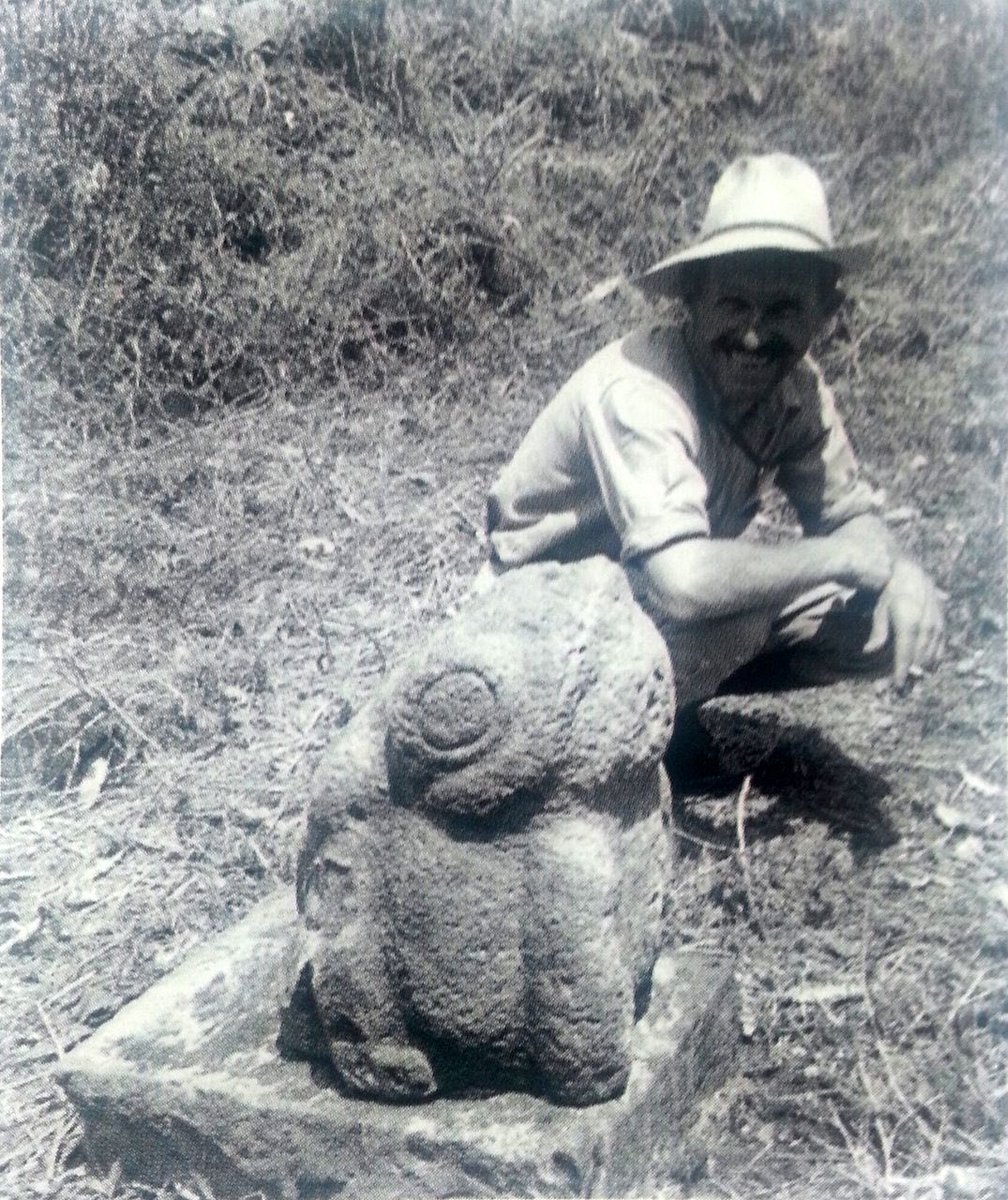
(197, 214)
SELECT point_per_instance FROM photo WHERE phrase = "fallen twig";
(744, 854)
(60, 1052)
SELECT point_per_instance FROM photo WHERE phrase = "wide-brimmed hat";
(761, 202)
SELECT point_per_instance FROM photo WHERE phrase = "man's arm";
(700, 579)
(703, 579)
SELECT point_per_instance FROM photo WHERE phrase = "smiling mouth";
(770, 356)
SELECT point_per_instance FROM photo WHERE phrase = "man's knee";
(819, 639)
(835, 629)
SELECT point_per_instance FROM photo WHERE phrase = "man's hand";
(910, 608)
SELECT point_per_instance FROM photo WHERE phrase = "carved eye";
(456, 709)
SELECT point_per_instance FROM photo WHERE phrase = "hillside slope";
(283, 287)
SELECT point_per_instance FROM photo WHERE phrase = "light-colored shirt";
(633, 454)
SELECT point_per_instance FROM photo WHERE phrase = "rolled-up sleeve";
(822, 479)
(642, 442)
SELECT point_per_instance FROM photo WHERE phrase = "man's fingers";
(879, 633)
(901, 655)
(910, 612)
(918, 636)
(936, 636)
(906, 631)
(939, 602)
(930, 634)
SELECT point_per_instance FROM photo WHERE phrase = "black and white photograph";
(503, 650)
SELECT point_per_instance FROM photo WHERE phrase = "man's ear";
(691, 280)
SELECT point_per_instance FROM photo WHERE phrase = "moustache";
(774, 349)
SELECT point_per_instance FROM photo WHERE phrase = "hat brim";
(665, 277)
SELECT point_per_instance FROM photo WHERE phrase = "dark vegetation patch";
(282, 288)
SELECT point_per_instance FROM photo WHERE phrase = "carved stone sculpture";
(482, 872)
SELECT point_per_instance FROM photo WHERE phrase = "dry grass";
(275, 311)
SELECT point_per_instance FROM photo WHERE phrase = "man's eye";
(783, 308)
(733, 304)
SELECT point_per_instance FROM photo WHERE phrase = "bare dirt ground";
(281, 296)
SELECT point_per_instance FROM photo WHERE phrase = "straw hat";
(761, 202)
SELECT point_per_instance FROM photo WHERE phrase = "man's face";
(753, 318)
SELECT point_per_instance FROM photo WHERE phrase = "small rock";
(825, 993)
(970, 849)
(316, 547)
(93, 782)
(953, 818)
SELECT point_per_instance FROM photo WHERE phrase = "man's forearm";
(705, 579)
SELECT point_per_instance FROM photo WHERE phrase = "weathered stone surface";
(482, 872)
(188, 1079)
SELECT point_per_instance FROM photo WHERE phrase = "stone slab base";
(187, 1079)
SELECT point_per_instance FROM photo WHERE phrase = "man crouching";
(657, 451)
